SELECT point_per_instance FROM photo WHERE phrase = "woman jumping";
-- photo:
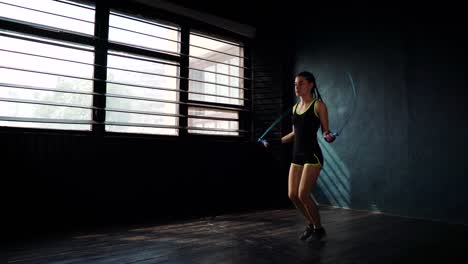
(308, 115)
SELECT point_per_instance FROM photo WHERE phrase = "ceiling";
(242, 11)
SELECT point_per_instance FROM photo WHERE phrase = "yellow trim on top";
(296, 165)
(315, 109)
(313, 164)
(306, 108)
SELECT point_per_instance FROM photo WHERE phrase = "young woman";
(308, 116)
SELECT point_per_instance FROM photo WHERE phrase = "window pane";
(145, 33)
(141, 119)
(216, 71)
(29, 83)
(13, 9)
(210, 123)
(215, 90)
(142, 72)
(199, 44)
(140, 105)
(45, 125)
(142, 130)
(43, 111)
(12, 58)
(45, 96)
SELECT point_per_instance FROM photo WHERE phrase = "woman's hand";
(329, 136)
(265, 143)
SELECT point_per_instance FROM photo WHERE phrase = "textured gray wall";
(396, 154)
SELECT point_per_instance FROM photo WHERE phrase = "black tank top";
(306, 125)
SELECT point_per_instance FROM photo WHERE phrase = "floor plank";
(258, 237)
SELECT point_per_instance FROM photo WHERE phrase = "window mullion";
(183, 82)
(100, 58)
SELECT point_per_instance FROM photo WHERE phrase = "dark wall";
(272, 74)
(437, 64)
(403, 150)
(62, 182)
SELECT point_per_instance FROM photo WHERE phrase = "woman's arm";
(288, 138)
(322, 112)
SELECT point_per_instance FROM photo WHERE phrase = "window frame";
(207, 104)
(102, 45)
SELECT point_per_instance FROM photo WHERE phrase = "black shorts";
(312, 159)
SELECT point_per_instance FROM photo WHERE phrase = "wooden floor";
(260, 237)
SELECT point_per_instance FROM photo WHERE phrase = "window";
(63, 15)
(142, 90)
(144, 33)
(216, 76)
(135, 75)
(46, 83)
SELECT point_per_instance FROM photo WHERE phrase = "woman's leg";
(309, 177)
(294, 180)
